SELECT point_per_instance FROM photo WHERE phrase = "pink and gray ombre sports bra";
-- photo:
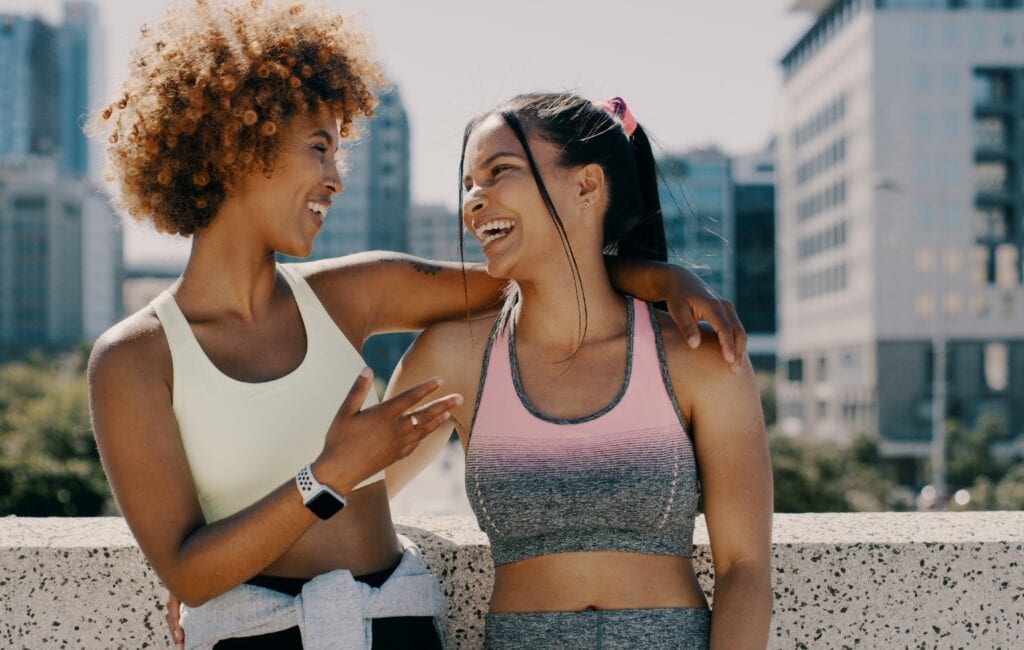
(621, 479)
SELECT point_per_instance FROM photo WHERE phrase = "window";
(795, 370)
(990, 133)
(1007, 266)
(821, 371)
(992, 223)
(924, 306)
(996, 364)
(990, 176)
(982, 268)
(991, 86)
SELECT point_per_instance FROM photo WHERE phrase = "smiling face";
(502, 204)
(288, 208)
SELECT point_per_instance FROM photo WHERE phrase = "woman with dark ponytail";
(591, 427)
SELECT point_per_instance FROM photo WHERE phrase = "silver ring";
(412, 418)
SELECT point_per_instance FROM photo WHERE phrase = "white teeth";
(319, 208)
(500, 224)
(490, 238)
(495, 230)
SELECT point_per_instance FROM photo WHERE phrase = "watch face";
(324, 504)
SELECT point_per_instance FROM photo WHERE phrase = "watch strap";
(310, 488)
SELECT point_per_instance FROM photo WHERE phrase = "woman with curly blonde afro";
(234, 414)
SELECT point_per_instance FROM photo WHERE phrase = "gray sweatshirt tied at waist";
(333, 611)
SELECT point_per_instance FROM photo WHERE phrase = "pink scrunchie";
(617, 106)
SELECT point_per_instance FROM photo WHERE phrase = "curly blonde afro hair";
(208, 92)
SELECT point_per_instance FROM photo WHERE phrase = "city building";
(80, 67)
(899, 231)
(60, 258)
(753, 183)
(30, 83)
(696, 195)
(60, 243)
(434, 234)
(48, 76)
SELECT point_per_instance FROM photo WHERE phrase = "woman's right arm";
(140, 446)
(453, 350)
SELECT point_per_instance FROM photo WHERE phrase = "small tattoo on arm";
(425, 267)
(419, 265)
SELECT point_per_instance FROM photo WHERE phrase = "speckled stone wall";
(841, 580)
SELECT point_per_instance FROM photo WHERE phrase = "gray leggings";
(650, 629)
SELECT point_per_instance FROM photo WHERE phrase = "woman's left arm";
(401, 293)
(736, 480)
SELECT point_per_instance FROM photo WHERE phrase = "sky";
(694, 73)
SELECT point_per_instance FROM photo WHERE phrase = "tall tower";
(80, 56)
(696, 195)
(29, 87)
(753, 182)
(60, 243)
(899, 230)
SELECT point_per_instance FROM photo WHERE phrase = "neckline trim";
(525, 400)
(254, 385)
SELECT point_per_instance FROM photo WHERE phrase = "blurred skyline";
(694, 73)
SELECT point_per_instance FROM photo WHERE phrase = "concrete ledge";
(939, 580)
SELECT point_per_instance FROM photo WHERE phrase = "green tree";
(968, 451)
(48, 460)
(815, 476)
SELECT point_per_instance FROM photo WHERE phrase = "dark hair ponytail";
(646, 238)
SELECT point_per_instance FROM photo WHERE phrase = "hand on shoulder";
(701, 374)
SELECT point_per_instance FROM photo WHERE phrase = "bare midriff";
(360, 538)
(596, 580)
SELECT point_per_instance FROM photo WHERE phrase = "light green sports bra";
(243, 439)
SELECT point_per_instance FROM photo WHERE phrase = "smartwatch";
(321, 499)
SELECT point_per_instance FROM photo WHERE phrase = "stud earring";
(585, 203)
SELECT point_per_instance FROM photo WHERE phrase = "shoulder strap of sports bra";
(176, 327)
(495, 354)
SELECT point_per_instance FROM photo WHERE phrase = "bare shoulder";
(686, 364)
(454, 348)
(133, 350)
